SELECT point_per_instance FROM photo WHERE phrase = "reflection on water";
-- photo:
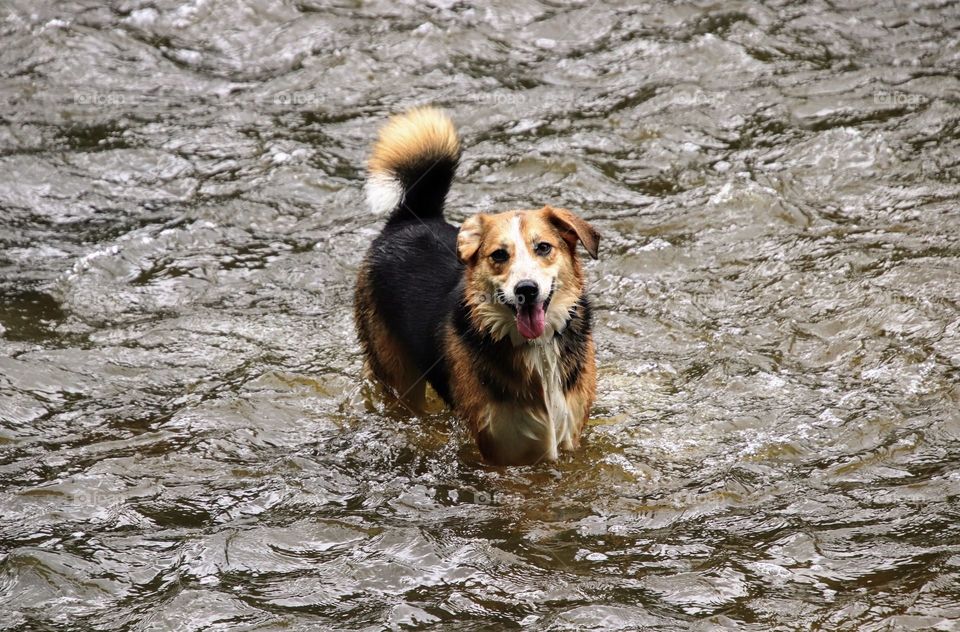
(183, 439)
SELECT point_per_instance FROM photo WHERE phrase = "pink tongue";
(530, 321)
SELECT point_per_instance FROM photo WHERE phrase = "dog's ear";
(469, 237)
(573, 229)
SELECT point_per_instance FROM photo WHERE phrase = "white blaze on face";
(526, 266)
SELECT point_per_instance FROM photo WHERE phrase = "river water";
(185, 442)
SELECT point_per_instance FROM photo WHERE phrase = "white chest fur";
(520, 430)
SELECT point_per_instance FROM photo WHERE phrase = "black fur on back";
(417, 280)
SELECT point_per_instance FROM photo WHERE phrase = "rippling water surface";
(184, 439)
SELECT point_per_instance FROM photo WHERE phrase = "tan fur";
(418, 133)
(474, 407)
(573, 229)
(480, 236)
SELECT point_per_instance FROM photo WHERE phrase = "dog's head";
(523, 273)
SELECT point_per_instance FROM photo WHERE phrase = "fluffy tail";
(413, 164)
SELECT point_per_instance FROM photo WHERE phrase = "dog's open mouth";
(531, 320)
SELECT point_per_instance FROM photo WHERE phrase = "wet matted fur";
(493, 315)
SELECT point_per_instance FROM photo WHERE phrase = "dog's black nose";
(526, 292)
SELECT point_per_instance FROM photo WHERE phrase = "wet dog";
(494, 315)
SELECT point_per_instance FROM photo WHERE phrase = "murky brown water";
(184, 442)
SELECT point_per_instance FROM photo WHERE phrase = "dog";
(494, 315)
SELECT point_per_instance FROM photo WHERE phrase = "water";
(184, 440)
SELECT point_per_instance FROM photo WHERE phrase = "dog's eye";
(499, 256)
(543, 249)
